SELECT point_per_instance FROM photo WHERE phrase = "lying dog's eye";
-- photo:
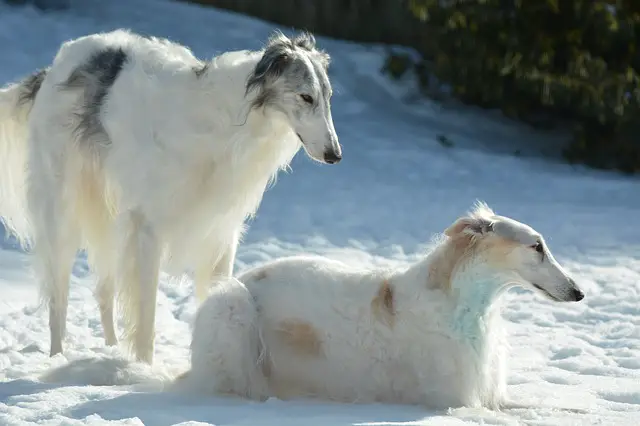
(538, 247)
(308, 99)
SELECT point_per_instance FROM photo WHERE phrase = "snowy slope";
(570, 364)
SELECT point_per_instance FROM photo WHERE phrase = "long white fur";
(188, 162)
(429, 334)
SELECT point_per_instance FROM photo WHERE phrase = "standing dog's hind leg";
(55, 273)
(54, 253)
(138, 283)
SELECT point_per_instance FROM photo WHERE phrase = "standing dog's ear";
(470, 226)
(270, 67)
(305, 40)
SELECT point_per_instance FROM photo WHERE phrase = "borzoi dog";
(429, 334)
(135, 149)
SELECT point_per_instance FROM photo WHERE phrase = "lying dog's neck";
(475, 293)
(470, 293)
(472, 288)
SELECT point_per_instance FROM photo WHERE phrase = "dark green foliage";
(573, 61)
(444, 141)
(378, 21)
(396, 65)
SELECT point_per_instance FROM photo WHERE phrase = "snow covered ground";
(397, 185)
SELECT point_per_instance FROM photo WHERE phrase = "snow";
(396, 187)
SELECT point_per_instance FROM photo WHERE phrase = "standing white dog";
(429, 334)
(138, 151)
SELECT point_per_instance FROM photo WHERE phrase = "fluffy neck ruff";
(471, 291)
(260, 136)
(476, 322)
(457, 268)
(223, 82)
(476, 291)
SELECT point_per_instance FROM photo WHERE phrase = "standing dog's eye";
(308, 99)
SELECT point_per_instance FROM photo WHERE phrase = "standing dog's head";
(292, 77)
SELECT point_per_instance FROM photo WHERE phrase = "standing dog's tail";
(16, 101)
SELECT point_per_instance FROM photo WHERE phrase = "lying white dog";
(429, 334)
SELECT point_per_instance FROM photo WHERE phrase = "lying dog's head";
(510, 247)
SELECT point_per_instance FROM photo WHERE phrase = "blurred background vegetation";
(548, 63)
(545, 62)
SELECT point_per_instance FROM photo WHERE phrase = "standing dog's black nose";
(578, 294)
(331, 157)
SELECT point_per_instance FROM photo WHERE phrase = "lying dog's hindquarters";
(228, 353)
(429, 334)
(286, 347)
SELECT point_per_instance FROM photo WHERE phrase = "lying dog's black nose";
(578, 294)
(331, 157)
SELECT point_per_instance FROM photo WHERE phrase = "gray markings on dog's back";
(30, 87)
(95, 78)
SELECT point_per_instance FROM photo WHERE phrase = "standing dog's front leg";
(209, 271)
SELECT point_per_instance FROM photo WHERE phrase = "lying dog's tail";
(16, 101)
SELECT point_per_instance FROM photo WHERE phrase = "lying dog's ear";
(469, 226)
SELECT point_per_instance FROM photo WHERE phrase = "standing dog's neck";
(231, 71)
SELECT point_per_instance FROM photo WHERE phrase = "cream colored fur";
(185, 160)
(427, 334)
